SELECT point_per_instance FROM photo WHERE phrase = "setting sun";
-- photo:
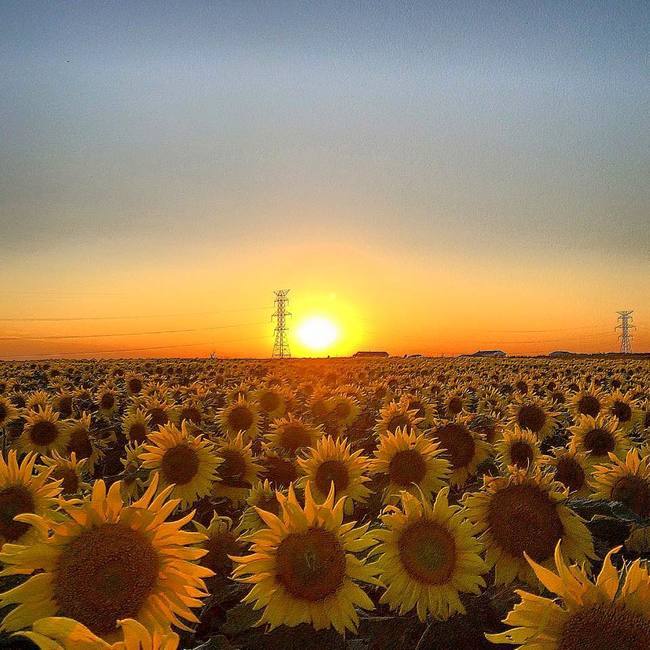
(317, 333)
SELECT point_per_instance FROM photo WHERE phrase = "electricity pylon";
(626, 327)
(281, 343)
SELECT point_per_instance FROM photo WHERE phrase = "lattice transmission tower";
(281, 343)
(626, 327)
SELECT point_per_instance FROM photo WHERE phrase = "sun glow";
(317, 333)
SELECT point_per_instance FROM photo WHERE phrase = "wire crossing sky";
(425, 174)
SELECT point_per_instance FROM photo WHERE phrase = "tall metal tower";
(626, 327)
(281, 343)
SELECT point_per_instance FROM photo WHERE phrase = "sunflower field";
(346, 503)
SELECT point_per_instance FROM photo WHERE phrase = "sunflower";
(343, 409)
(83, 443)
(8, 412)
(491, 401)
(192, 411)
(569, 467)
(241, 415)
(428, 554)
(107, 402)
(408, 461)
(22, 491)
(271, 401)
(279, 469)
(332, 463)
(422, 407)
(242, 390)
(488, 425)
(624, 408)
(136, 425)
(105, 562)
(600, 615)
(238, 472)
(533, 414)
(220, 543)
(525, 512)
(464, 448)
(39, 399)
(588, 400)
(70, 471)
(160, 411)
(290, 434)
(262, 496)
(43, 432)
(134, 384)
(185, 461)
(131, 484)
(627, 481)
(518, 447)
(454, 403)
(598, 437)
(303, 568)
(63, 403)
(395, 416)
(60, 633)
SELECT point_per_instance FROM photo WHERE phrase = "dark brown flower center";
(458, 443)
(192, 414)
(80, 443)
(180, 464)
(569, 472)
(293, 436)
(105, 575)
(220, 546)
(622, 411)
(599, 442)
(233, 469)
(14, 500)
(70, 484)
(634, 492)
(138, 432)
(279, 471)
(269, 401)
(604, 627)
(589, 405)
(311, 565)
(455, 405)
(521, 454)
(523, 518)
(158, 416)
(135, 385)
(240, 418)
(407, 467)
(400, 420)
(107, 401)
(332, 471)
(531, 417)
(427, 552)
(43, 432)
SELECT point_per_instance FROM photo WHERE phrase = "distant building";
(560, 353)
(370, 353)
(488, 353)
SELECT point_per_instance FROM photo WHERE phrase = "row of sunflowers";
(389, 503)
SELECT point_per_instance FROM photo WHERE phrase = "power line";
(98, 336)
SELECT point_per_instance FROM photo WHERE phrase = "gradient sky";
(436, 177)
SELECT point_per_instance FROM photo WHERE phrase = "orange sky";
(221, 301)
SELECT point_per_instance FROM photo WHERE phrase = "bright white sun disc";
(317, 332)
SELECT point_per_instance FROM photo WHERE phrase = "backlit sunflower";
(8, 412)
(397, 415)
(518, 447)
(160, 411)
(60, 633)
(107, 402)
(241, 415)
(598, 437)
(454, 403)
(185, 461)
(271, 401)
(332, 463)
(220, 543)
(343, 409)
(624, 408)
(291, 433)
(238, 472)
(533, 414)
(23, 491)
(627, 481)
(261, 496)
(428, 555)
(83, 443)
(280, 469)
(525, 512)
(136, 425)
(303, 568)
(131, 484)
(39, 399)
(408, 461)
(191, 410)
(70, 471)
(588, 400)
(463, 447)
(602, 615)
(43, 432)
(134, 384)
(569, 467)
(105, 562)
